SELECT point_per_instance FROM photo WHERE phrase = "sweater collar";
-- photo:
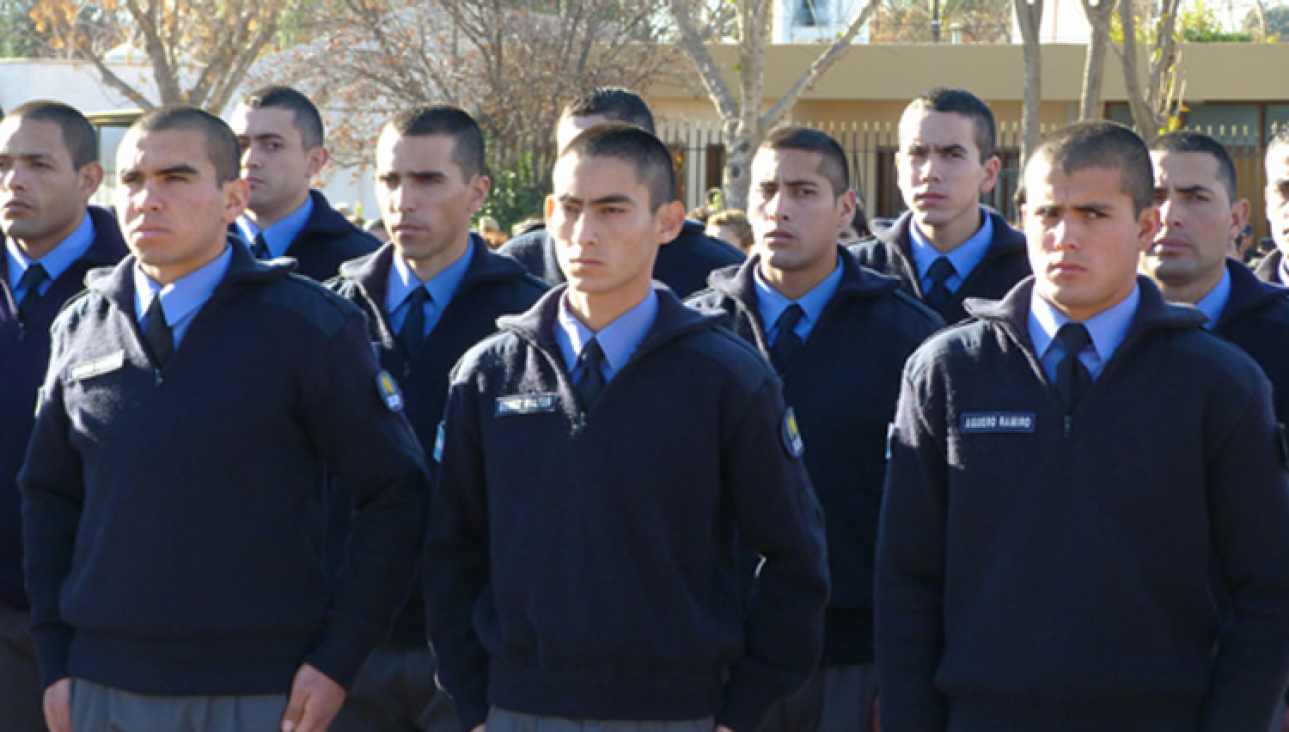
(1248, 293)
(895, 234)
(672, 321)
(371, 272)
(737, 281)
(1153, 312)
(117, 283)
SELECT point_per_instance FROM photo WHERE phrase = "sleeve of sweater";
(457, 559)
(369, 445)
(779, 518)
(53, 493)
(910, 565)
(1249, 510)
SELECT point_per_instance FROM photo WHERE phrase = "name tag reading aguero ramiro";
(519, 404)
(998, 423)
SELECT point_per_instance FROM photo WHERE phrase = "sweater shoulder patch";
(791, 434)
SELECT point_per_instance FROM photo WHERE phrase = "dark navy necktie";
(940, 271)
(31, 281)
(591, 382)
(260, 247)
(786, 341)
(413, 332)
(1072, 377)
(157, 333)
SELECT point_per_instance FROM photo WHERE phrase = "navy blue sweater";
(842, 385)
(1043, 574)
(24, 356)
(583, 564)
(170, 546)
(327, 241)
(890, 252)
(683, 264)
(493, 286)
(1256, 319)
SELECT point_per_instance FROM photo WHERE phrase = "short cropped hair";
(307, 119)
(645, 153)
(737, 221)
(451, 121)
(1106, 145)
(614, 102)
(221, 143)
(1198, 142)
(832, 161)
(79, 136)
(963, 102)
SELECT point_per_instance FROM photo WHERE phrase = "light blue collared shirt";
(619, 339)
(771, 304)
(1215, 301)
(55, 262)
(442, 287)
(1107, 329)
(279, 236)
(964, 259)
(182, 298)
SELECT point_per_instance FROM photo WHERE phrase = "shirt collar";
(771, 303)
(442, 286)
(184, 296)
(279, 236)
(58, 259)
(619, 339)
(1107, 328)
(1215, 301)
(964, 258)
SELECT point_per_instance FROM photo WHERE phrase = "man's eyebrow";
(611, 198)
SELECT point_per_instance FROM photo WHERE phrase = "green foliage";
(1200, 24)
(517, 194)
(17, 35)
(1277, 23)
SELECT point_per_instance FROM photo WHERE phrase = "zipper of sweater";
(22, 331)
(1069, 419)
(157, 377)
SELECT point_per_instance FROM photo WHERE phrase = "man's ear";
(670, 218)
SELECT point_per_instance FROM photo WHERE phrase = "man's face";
(424, 197)
(570, 127)
(1278, 195)
(606, 233)
(275, 163)
(42, 194)
(174, 212)
(941, 175)
(1198, 221)
(1083, 237)
(796, 218)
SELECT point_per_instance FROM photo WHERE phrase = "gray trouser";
(833, 699)
(502, 720)
(21, 708)
(98, 708)
(395, 692)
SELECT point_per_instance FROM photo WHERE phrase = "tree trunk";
(1029, 14)
(1094, 64)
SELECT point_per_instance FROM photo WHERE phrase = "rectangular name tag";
(976, 423)
(98, 366)
(514, 406)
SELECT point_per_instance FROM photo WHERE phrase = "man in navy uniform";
(429, 295)
(196, 403)
(947, 247)
(683, 263)
(602, 459)
(1074, 474)
(283, 150)
(49, 169)
(838, 336)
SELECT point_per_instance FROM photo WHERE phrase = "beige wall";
(872, 83)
